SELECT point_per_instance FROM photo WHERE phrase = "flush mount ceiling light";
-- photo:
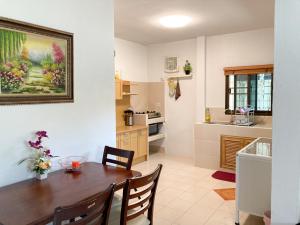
(175, 21)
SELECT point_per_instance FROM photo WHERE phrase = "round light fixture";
(175, 21)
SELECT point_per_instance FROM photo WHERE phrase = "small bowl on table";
(72, 164)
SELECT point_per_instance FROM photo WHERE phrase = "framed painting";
(36, 64)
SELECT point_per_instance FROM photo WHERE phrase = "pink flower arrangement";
(41, 156)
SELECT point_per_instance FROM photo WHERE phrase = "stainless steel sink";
(221, 122)
(230, 123)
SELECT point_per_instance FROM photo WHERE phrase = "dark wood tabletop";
(33, 201)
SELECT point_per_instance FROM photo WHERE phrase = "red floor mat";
(220, 175)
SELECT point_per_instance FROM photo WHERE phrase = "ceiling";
(137, 20)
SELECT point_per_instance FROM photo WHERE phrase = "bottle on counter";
(128, 117)
(207, 116)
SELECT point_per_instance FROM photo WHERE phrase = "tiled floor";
(185, 195)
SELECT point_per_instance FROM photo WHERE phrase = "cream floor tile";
(196, 216)
(181, 186)
(194, 194)
(158, 207)
(228, 206)
(161, 221)
(221, 217)
(185, 195)
(180, 205)
(169, 214)
(210, 200)
(210, 183)
(166, 196)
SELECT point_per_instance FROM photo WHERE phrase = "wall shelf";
(179, 76)
(128, 83)
(128, 94)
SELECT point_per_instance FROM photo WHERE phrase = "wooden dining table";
(33, 202)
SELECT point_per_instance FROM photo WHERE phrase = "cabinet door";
(134, 143)
(125, 141)
(118, 89)
(118, 139)
(247, 141)
(143, 142)
(229, 147)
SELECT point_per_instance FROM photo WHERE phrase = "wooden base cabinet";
(230, 145)
(136, 141)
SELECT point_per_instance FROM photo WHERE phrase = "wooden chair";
(119, 153)
(95, 209)
(136, 203)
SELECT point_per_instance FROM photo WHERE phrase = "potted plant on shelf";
(40, 158)
(187, 68)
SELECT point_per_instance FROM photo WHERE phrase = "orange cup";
(75, 165)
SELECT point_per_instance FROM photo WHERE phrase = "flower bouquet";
(40, 159)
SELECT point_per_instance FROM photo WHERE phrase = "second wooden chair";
(128, 155)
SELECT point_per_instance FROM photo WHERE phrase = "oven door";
(153, 129)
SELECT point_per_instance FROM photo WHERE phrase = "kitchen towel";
(178, 93)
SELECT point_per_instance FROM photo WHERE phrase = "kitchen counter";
(124, 129)
(207, 139)
(224, 123)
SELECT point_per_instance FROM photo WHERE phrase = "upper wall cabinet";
(118, 89)
(122, 88)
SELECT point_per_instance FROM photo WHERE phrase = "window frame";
(227, 94)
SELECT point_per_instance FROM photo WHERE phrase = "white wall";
(131, 60)
(180, 114)
(237, 49)
(286, 115)
(201, 79)
(81, 128)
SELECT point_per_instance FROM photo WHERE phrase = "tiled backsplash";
(150, 97)
(218, 114)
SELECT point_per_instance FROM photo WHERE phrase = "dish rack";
(244, 116)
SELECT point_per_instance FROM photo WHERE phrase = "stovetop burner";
(151, 114)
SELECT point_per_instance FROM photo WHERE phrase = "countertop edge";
(230, 125)
(124, 129)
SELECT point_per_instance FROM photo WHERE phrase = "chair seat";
(117, 201)
(115, 213)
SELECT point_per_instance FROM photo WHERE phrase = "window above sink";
(249, 86)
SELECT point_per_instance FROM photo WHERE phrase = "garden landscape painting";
(35, 64)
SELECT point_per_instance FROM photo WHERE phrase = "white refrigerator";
(253, 178)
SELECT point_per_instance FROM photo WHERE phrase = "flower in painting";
(58, 53)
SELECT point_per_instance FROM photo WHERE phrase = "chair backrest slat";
(93, 210)
(145, 197)
(140, 193)
(116, 162)
(139, 202)
(138, 212)
(118, 153)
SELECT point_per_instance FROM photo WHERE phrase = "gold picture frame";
(36, 64)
